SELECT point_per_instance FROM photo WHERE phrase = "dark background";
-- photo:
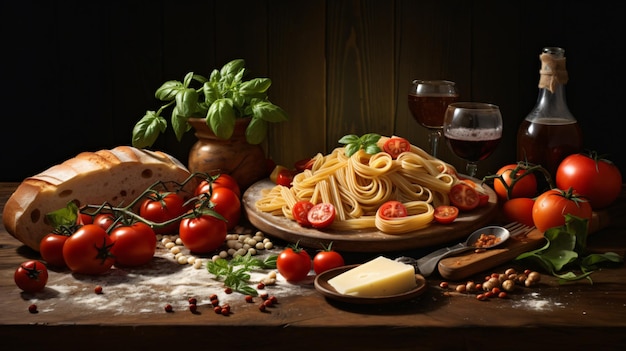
(78, 75)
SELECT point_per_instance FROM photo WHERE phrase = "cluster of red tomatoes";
(105, 239)
(584, 182)
(294, 263)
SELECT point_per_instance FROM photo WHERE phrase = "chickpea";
(508, 285)
(534, 276)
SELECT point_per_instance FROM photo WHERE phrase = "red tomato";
(483, 196)
(395, 146)
(327, 259)
(392, 209)
(464, 197)
(303, 164)
(134, 245)
(446, 214)
(598, 180)
(104, 220)
(551, 207)
(222, 180)
(300, 211)
(523, 185)
(51, 249)
(321, 215)
(88, 250)
(84, 218)
(162, 207)
(519, 209)
(31, 276)
(202, 234)
(227, 203)
(276, 171)
(294, 263)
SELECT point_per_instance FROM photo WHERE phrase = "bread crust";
(116, 176)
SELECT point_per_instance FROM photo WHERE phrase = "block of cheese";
(378, 277)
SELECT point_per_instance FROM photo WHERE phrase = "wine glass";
(472, 131)
(428, 100)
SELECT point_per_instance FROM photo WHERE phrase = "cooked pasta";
(358, 185)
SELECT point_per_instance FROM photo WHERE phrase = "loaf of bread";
(116, 176)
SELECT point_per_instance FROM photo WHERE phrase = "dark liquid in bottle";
(549, 142)
(428, 110)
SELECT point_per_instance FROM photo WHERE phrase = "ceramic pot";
(247, 163)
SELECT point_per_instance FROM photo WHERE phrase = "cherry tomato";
(202, 234)
(446, 214)
(134, 245)
(392, 209)
(284, 178)
(327, 259)
(300, 211)
(519, 209)
(551, 207)
(222, 180)
(88, 250)
(277, 170)
(483, 196)
(51, 249)
(303, 164)
(162, 207)
(31, 276)
(321, 215)
(227, 204)
(84, 218)
(464, 197)
(395, 146)
(104, 220)
(294, 263)
(598, 180)
(525, 184)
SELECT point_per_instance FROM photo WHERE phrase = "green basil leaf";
(180, 124)
(256, 131)
(349, 139)
(269, 112)
(371, 138)
(351, 149)
(169, 90)
(187, 80)
(232, 68)
(65, 216)
(187, 102)
(215, 76)
(221, 117)
(211, 92)
(255, 86)
(147, 130)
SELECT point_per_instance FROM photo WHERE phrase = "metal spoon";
(427, 264)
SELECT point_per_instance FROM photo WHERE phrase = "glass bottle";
(550, 132)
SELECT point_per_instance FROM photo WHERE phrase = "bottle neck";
(551, 102)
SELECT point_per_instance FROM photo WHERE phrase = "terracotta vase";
(247, 163)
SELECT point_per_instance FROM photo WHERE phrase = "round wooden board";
(370, 240)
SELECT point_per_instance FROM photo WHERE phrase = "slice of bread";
(116, 176)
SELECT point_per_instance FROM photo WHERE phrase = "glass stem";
(434, 137)
(471, 169)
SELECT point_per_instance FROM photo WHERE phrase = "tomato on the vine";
(51, 249)
(202, 234)
(227, 203)
(294, 263)
(521, 183)
(445, 214)
(395, 146)
(327, 259)
(597, 179)
(300, 211)
(104, 220)
(133, 245)
(392, 209)
(321, 215)
(88, 250)
(519, 209)
(84, 218)
(551, 207)
(163, 207)
(31, 276)
(222, 180)
(464, 197)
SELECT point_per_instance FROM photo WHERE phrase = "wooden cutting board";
(464, 265)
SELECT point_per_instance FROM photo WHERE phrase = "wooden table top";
(129, 315)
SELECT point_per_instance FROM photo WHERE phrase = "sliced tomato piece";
(395, 146)
(446, 214)
(464, 197)
(392, 209)
(303, 164)
(321, 215)
(300, 211)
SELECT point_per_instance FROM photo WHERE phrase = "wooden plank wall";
(84, 72)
